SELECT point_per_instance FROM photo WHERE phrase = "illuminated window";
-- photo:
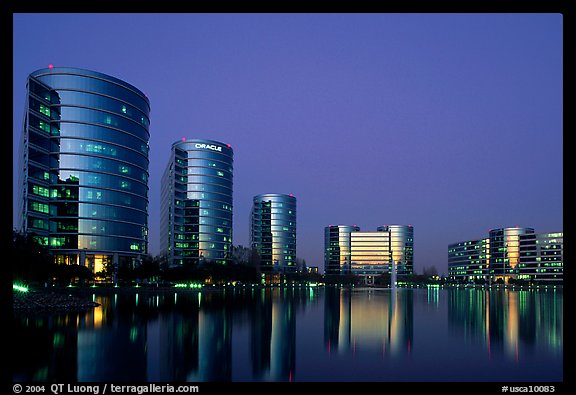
(39, 207)
(45, 110)
(44, 126)
(57, 241)
(39, 190)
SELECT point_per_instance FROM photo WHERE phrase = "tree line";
(32, 263)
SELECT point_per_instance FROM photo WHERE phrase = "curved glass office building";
(85, 175)
(337, 248)
(368, 254)
(273, 231)
(196, 203)
(516, 254)
(505, 251)
(401, 241)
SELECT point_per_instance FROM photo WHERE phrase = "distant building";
(401, 246)
(505, 251)
(541, 257)
(312, 269)
(273, 231)
(368, 254)
(337, 248)
(469, 259)
(196, 203)
(508, 253)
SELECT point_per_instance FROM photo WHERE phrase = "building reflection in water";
(46, 348)
(111, 344)
(507, 321)
(162, 337)
(375, 320)
(273, 338)
(172, 345)
(214, 347)
(177, 337)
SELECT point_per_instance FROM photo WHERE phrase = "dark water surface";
(298, 334)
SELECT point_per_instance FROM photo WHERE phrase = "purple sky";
(451, 123)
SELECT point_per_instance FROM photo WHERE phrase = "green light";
(20, 288)
(133, 334)
(58, 340)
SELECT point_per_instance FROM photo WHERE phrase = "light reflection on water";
(299, 334)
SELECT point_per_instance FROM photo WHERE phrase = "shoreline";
(61, 291)
(68, 299)
(53, 301)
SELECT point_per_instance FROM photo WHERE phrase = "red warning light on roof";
(50, 66)
(183, 138)
(228, 145)
(291, 195)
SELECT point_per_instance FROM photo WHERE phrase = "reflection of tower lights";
(377, 320)
(487, 322)
(512, 322)
(345, 322)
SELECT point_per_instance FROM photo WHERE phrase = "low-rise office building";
(517, 254)
(347, 250)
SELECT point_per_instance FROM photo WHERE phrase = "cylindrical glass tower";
(85, 177)
(196, 208)
(337, 248)
(505, 251)
(273, 231)
(401, 246)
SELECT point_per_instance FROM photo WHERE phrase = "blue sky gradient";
(451, 123)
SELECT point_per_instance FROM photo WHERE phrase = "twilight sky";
(451, 123)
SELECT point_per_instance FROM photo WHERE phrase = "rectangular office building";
(542, 257)
(468, 260)
(369, 254)
(509, 255)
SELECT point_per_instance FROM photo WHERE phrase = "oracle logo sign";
(209, 146)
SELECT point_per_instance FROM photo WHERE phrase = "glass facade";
(541, 257)
(505, 251)
(196, 203)
(337, 248)
(273, 231)
(84, 182)
(469, 260)
(401, 245)
(368, 254)
(509, 253)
